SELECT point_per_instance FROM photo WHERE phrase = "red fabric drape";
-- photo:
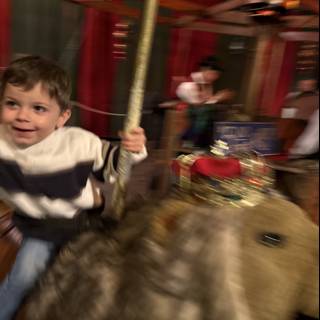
(187, 48)
(5, 21)
(285, 79)
(273, 108)
(96, 70)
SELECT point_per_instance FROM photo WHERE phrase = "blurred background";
(264, 47)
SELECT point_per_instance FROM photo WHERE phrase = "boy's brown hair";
(28, 71)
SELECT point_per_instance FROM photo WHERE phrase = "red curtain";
(272, 106)
(5, 21)
(187, 48)
(96, 70)
(286, 78)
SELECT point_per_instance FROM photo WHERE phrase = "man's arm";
(308, 142)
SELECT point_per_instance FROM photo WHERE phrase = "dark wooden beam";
(212, 11)
(119, 9)
(223, 29)
(176, 5)
(292, 21)
(300, 36)
(225, 6)
(181, 5)
(112, 7)
(233, 17)
(301, 21)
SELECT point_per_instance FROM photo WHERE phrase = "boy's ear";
(63, 118)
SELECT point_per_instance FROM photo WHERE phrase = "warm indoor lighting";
(291, 4)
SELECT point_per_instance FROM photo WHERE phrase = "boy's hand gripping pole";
(135, 106)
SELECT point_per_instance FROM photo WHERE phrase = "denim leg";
(32, 259)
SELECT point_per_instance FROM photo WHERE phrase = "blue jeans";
(32, 259)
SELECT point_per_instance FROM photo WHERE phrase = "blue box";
(249, 136)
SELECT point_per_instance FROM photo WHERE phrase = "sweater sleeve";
(110, 155)
(105, 161)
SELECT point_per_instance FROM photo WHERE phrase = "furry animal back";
(187, 261)
(174, 260)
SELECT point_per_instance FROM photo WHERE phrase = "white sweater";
(54, 178)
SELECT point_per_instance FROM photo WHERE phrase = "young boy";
(48, 172)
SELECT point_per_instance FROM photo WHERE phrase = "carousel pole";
(135, 103)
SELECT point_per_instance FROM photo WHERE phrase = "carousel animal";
(172, 260)
(183, 258)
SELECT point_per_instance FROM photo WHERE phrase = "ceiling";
(224, 16)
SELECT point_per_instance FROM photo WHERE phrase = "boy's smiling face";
(30, 116)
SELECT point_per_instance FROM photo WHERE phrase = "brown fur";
(180, 260)
(283, 280)
(151, 268)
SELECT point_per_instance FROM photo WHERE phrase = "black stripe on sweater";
(63, 184)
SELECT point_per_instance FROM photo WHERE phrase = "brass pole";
(135, 103)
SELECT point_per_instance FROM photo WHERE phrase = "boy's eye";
(39, 108)
(10, 103)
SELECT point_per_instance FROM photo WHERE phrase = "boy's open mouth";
(22, 129)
